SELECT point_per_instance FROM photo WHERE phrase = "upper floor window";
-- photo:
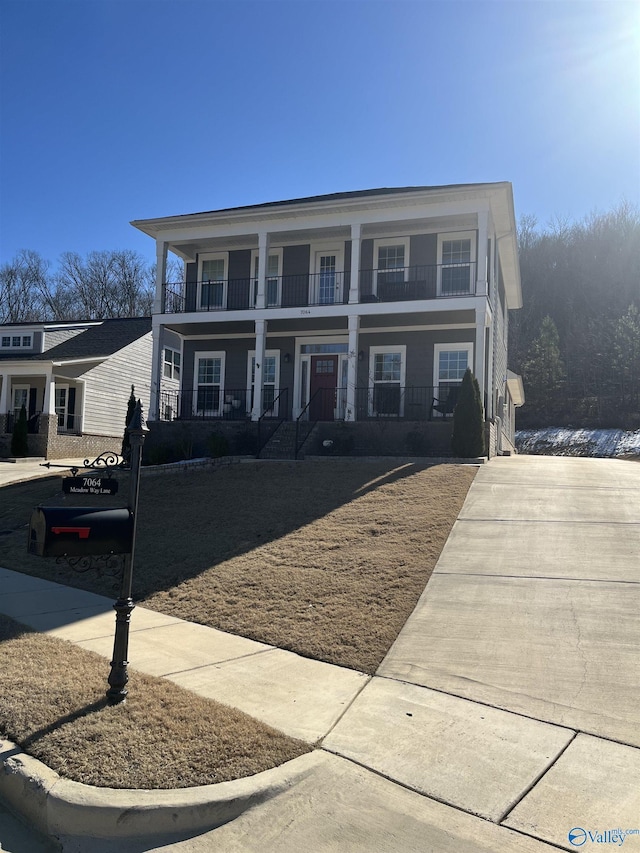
(171, 363)
(15, 341)
(392, 261)
(213, 281)
(457, 258)
(273, 283)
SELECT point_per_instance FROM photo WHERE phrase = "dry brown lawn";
(326, 559)
(53, 705)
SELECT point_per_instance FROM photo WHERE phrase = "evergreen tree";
(626, 343)
(543, 369)
(126, 445)
(467, 440)
(19, 439)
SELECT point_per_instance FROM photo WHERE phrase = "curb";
(59, 808)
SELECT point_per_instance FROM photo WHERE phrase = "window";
(386, 381)
(450, 363)
(20, 399)
(392, 261)
(213, 282)
(274, 273)
(327, 275)
(209, 372)
(270, 373)
(14, 341)
(171, 363)
(457, 257)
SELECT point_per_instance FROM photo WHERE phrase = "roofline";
(320, 201)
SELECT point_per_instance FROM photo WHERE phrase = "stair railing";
(281, 401)
(307, 408)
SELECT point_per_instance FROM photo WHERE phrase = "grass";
(326, 559)
(53, 706)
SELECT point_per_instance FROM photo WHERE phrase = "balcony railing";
(437, 281)
(383, 400)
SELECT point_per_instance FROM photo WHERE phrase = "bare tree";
(24, 287)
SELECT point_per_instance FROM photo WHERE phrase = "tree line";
(576, 340)
(100, 285)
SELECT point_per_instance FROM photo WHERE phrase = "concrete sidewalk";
(505, 715)
(32, 469)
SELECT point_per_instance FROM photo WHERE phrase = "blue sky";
(113, 110)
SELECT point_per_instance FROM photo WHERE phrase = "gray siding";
(59, 336)
(108, 386)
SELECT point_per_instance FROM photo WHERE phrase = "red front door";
(324, 381)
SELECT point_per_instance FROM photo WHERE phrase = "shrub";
(126, 444)
(217, 445)
(467, 440)
(417, 443)
(19, 439)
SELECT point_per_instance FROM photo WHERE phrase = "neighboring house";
(356, 307)
(74, 380)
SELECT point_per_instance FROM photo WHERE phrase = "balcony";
(402, 284)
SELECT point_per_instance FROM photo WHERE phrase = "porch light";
(361, 355)
(287, 358)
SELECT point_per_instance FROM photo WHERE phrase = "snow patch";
(559, 441)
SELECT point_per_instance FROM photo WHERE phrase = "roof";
(316, 199)
(98, 341)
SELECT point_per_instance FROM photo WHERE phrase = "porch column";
(352, 367)
(161, 276)
(354, 290)
(478, 368)
(263, 255)
(4, 393)
(156, 374)
(483, 236)
(261, 344)
(49, 405)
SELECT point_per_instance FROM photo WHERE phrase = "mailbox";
(79, 531)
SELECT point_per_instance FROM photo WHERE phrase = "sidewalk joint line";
(216, 663)
(368, 680)
(537, 779)
(534, 577)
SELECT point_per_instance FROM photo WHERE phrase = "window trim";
(20, 337)
(381, 350)
(315, 250)
(197, 356)
(253, 281)
(455, 347)
(384, 243)
(171, 364)
(268, 353)
(447, 236)
(213, 256)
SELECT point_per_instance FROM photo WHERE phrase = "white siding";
(108, 387)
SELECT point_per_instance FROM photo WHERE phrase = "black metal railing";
(206, 402)
(275, 413)
(33, 423)
(436, 281)
(69, 424)
(382, 400)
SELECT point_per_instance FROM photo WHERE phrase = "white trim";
(175, 352)
(4, 333)
(213, 256)
(19, 387)
(427, 327)
(300, 357)
(317, 250)
(253, 279)
(197, 356)
(387, 348)
(268, 353)
(447, 236)
(389, 242)
(454, 347)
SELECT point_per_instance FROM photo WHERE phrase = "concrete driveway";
(506, 716)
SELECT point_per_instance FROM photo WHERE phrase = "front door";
(324, 381)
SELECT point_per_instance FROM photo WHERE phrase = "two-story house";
(353, 307)
(74, 380)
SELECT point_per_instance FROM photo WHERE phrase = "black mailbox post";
(91, 532)
(80, 531)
